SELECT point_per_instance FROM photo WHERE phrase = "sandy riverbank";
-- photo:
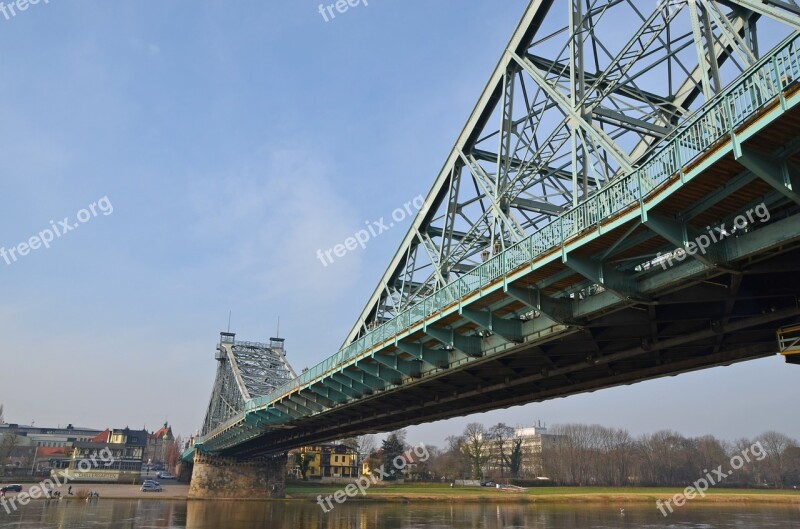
(172, 491)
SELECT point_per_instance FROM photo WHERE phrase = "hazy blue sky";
(233, 140)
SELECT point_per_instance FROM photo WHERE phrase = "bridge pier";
(216, 477)
(184, 472)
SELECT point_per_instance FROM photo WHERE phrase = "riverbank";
(551, 495)
(415, 492)
(171, 491)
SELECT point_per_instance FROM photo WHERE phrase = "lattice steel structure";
(575, 101)
(245, 370)
(532, 273)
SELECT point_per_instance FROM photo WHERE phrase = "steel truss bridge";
(618, 207)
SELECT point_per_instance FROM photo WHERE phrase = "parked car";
(151, 486)
(489, 484)
(165, 475)
(11, 488)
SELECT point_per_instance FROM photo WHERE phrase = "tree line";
(594, 455)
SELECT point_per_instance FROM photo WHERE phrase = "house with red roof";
(157, 446)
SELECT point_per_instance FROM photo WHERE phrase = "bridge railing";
(789, 339)
(699, 132)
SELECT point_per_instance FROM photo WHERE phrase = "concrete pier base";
(215, 477)
(184, 472)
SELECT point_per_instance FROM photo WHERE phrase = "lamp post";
(35, 453)
(164, 451)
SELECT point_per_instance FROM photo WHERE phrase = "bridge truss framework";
(245, 370)
(574, 130)
(570, 107)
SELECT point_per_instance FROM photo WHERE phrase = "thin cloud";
(270, 217)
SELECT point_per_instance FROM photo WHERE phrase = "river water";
(125, 514)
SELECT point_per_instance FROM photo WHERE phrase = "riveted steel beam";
(468, 345)
(558, 310)
(602, 274)
(380, 371)
(437, 358)
(777, 173)
(508, 329)
(325, 391)
(410, 368)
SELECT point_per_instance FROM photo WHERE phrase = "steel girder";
(245, 370)
(572, 104)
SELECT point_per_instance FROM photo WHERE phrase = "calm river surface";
(301, 515)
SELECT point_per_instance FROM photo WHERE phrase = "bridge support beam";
(216, 477)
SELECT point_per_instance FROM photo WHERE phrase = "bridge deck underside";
(721, 315)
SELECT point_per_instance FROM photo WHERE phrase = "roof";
(46, 430)
(102, 437)
(139, 435)
(165, 431)
(51, 451)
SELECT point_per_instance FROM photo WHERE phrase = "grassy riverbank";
(439, 492)
(423, 492)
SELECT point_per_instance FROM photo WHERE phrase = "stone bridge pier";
(217, 477)
(184, 472)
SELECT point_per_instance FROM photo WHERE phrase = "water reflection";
(104, 513)
(479, 516)
(302, 514)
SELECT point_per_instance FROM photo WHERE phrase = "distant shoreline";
(548, 495)
(438, 493)
(594, 498)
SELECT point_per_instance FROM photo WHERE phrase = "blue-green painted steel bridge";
(687, 259)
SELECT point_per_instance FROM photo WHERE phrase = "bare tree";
(426, 469)
(476, 448)
(2, 415)
(401, 435)
(451, 463)
(10, 442)
(792, 460)
(366, 445)
(500, 436)
(622, 454)
(775, 445)
(515, 457)
(172, 454)
(581, 454)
